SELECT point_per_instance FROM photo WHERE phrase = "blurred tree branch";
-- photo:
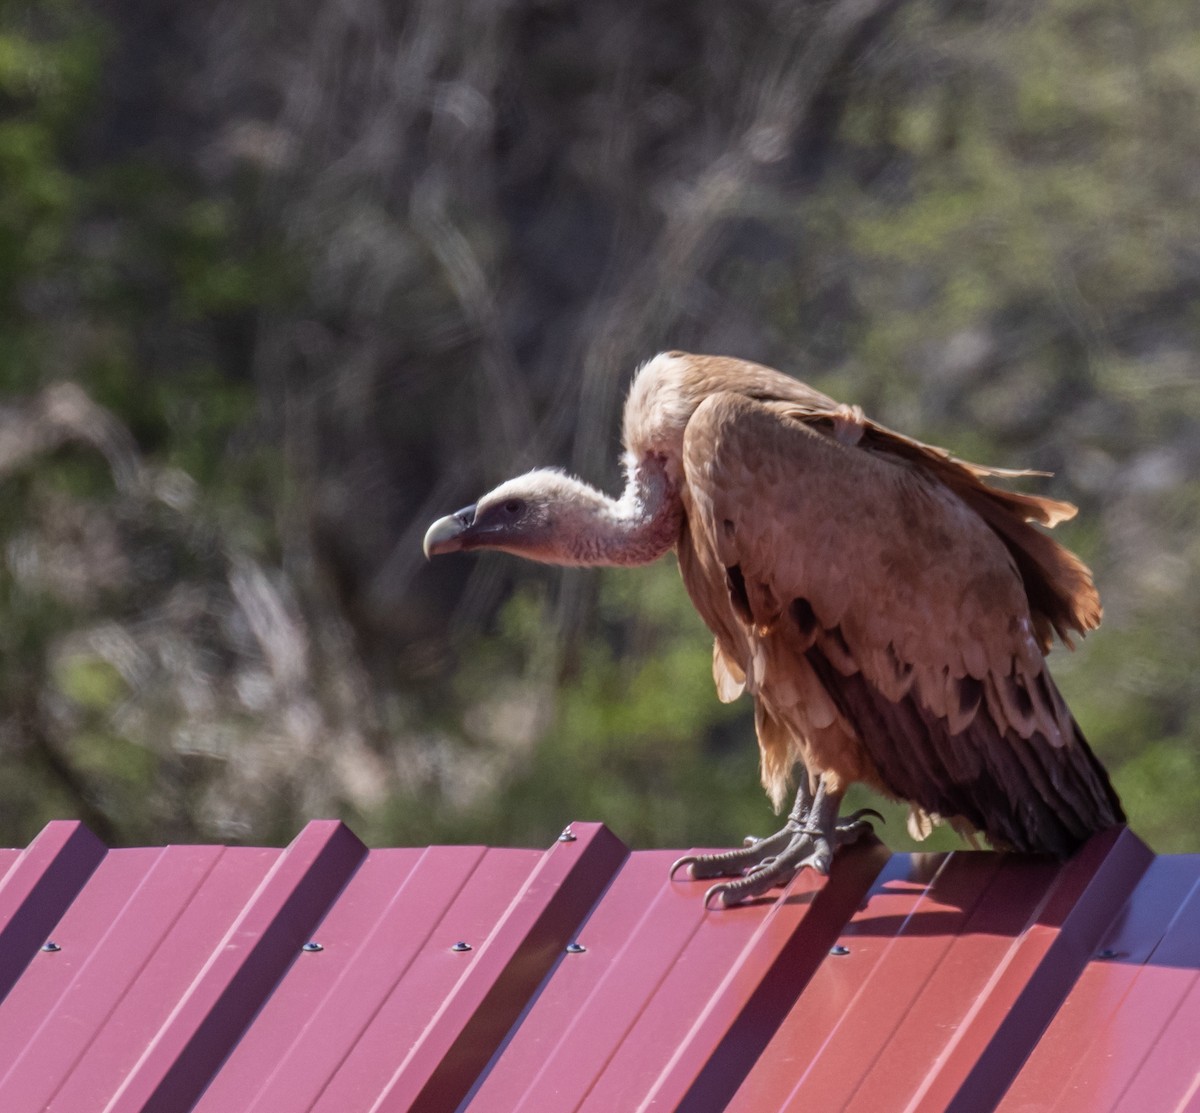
(282, 282)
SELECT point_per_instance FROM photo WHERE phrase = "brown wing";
(891, 573)
(1059, 587)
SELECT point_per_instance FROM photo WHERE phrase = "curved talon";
(729, 863)
(686, 860)
(860, 816)
(775, 875)
(733, 863)
(757, 882)
(721, 890)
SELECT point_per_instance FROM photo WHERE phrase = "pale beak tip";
(444, 536)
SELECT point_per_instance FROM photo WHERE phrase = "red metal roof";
(176, 978)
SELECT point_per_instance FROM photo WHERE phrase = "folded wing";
(878, 594)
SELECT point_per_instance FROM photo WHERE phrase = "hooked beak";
(446, 534)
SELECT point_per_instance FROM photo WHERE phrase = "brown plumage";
(886, 608)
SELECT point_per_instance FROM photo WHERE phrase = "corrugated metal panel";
(179, 978)
(1128, 1034)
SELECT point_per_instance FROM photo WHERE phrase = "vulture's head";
(540, 516)
(553, 517)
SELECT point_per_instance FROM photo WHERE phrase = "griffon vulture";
(888, 611)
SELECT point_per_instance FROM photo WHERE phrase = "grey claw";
(730, 863)
(860, 816)
(686, 860)
(757, 882)
(727, 893)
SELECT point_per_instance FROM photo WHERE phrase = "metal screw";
(567, 835)
(314, 946)
(576, 949)
(50, 945)
(1108, 952)
(839, 950)
(461, 946)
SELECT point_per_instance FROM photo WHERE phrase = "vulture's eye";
(514, 506)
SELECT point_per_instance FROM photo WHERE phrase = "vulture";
(887, 609)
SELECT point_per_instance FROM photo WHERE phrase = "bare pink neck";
(637, 528)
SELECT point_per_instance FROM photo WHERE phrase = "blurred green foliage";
(306, 298)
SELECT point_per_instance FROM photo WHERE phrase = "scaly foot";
(809, 838)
